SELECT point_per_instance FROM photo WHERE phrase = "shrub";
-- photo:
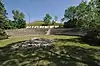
(3, 34)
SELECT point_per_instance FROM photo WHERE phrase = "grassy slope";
(36, 23)
(39, 23)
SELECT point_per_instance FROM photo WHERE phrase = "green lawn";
(22, 38)
(68, 51)
(64, 42)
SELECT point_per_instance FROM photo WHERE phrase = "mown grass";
(22, 38)
(65, 40)
(68, 51)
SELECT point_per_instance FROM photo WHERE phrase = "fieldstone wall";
(66, 31)
(45, 31)
(29, 31)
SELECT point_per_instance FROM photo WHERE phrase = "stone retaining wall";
(29, 31)
(44, 31)
(67, 31)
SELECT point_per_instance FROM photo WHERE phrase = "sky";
(37, 9)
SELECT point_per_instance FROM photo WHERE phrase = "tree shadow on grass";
(80, 40)
(74, 40)
(50, 56)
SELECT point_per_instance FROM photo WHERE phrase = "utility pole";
(29, 18)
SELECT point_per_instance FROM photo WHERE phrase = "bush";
(70, 24)
(92, 38)
(3, 34)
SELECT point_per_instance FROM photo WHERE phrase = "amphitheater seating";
(66, 31)
(43, 31)
(29, 31)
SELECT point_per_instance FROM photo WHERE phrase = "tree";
(62, 20)
(54, 20)
(70, 15)
(47, 19)
(18, 17)
(76, 15)
(91, 23)
(8, 24)
(2, 15)
(86, 17)
(97, 2)
(81, 12)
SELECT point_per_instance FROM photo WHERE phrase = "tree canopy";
(2, 15)
(85, 16)
(47, 19)
(18, 17)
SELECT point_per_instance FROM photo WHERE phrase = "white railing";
(42, 26)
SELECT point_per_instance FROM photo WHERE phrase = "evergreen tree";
(2, 15)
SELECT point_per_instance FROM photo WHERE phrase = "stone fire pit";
(33, 43)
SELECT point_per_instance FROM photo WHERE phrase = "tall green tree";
(18, 17)
(8, 24)
(91, 24)
(70, 15)
(47, 19)
(81, 12)
(87, 17)
(2, 15)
